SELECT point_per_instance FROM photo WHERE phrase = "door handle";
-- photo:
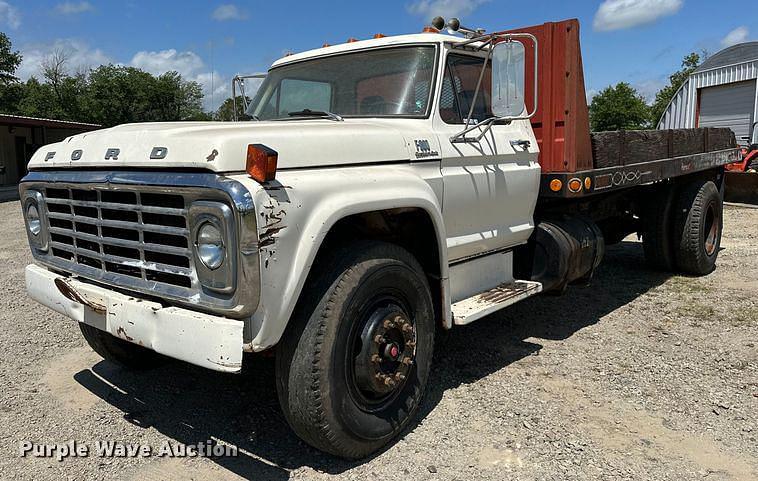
(522, 144)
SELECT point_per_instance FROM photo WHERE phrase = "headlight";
(210, 246)
(34, 209)
(33, 222)
(214, 245)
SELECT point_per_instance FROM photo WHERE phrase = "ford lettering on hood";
(221, 146)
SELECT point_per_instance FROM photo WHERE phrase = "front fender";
(296, 212)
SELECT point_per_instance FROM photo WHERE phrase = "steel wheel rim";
(381, 354)
(711, 230)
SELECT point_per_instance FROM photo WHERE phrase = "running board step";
(475, 307)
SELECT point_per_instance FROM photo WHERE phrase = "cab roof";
(414, 38)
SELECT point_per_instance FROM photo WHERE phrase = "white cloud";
(191, 67)
(186, 63)
(648, 88)
(444, 8)
(738, 35)
(216, 89)
(9, 15)
(620, 14)
(78, 54)
(228, 12)
(72, 8)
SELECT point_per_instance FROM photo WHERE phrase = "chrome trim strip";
(240, 303)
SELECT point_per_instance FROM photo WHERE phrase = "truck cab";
(376, 191)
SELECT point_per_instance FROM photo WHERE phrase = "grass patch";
(696, 310)
(683, 284)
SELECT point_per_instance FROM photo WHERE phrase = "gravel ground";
(641, 376)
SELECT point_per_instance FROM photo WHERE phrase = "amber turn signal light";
(575, 185)
(556, 185)
(261, 162)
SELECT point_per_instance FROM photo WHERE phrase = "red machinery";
(749, 154)
(741, 177)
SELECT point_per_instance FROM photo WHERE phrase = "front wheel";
(352, 367)
(119, 351)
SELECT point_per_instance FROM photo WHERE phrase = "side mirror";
(508, 71)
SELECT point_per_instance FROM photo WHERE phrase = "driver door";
(490, 186)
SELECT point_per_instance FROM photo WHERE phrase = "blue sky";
(638, 41)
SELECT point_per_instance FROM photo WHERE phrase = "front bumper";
(204, 340)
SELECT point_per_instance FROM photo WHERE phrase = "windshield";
(374, 83)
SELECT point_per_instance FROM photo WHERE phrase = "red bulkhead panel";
(561, 123)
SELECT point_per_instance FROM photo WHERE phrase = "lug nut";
(379, 339)
(399, 320)
(389, 381)
(411, 344)
(407, 328)
(376, 359)
(388, 324)
(407, 361)
(399, 376)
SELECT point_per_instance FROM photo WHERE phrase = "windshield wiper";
(316, 113)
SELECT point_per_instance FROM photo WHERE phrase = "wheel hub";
(387, 352)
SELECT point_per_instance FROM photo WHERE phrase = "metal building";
(722, 92)
(21, 136)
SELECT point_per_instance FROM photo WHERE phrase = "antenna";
(213, 101)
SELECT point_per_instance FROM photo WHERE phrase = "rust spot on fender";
(269, 236)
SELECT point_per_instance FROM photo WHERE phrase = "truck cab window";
(296, 95)
(386, 82)
(458, 87)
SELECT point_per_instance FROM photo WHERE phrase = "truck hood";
(222, 146)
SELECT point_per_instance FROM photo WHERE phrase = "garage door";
(730, 106)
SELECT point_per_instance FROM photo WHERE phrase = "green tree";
(9, 60)
(618, 107)
(225, 112)
(664, 96)
(118, 94)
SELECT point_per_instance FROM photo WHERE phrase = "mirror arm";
(240, 79)
(478, 88)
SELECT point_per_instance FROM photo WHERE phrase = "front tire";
(119, 351)
(353, 365)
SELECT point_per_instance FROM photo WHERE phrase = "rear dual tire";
(682, 229)
(698, 226)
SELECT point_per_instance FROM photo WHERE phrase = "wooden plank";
(619, 148)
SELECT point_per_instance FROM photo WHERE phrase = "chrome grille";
(143, 235)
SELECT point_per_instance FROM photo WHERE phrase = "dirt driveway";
(641, 376)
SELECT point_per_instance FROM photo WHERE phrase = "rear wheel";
(698, 226)
(353, 364)
(657, 230)
(119, 351)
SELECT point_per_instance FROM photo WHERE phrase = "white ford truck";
(377, 191)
